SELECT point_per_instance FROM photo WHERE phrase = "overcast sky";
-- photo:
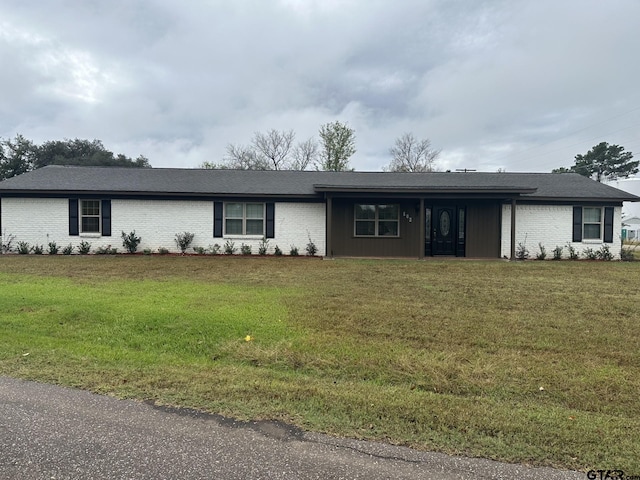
(513, 85)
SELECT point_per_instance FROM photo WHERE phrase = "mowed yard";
(533, 362)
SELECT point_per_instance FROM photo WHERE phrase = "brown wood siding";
(345, 243)
(483, 230)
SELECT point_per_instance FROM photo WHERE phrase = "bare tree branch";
(412, 155)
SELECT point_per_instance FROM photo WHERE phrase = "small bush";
(311, 248)
(23, 248)
(590, 254)
(522, 252)
(294, 251)
(245, 249)
(68, 250)
(276, 251)
(604, 253)
(627, 254)
(183, 240)
(229, 247)
(543, 252)
(6, 243)
(557, 253)
(263, 246)
(146, 251)
(84, 247)
(214, 249)
(573, 253)
(200, 250)
(130, 242)
(162, 251)
(106, 250)
(53, 248)
(38, 249)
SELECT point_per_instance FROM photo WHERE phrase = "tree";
(16, 157)
(83, 152)
(412, 155)
(273, 148)
(604, 162)
(304, 154)
(240, 157)
(337, 146)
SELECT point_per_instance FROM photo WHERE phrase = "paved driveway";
(49, 432)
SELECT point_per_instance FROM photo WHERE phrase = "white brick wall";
(551, 225)
(40, 221)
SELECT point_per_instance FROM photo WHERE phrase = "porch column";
(329, 217)
(513, 229)
(422, 220)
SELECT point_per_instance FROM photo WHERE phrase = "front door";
(444, 230)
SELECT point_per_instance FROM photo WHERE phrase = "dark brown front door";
(444, 230)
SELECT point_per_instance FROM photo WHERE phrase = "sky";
(515, 85)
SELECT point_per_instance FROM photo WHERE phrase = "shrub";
(84, 247)
(200, 250)
(294, 251)
(106, 250)
(68, 250)
(229, 247)
(557, 253)
(245, 249)
(627, 254)
(543, 252)
(214, 249)
(162, 251)
(183, 240)
(311, 248)
(130, 242)
(6, 243)
(23, 248)
(53, 248)
(38, 249)
(590, 254)
(276, 251)
(146, 251)
(263, 246)
(522, 252)
(605, 253)
(573, 253)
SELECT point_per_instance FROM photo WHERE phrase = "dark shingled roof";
(197, 182)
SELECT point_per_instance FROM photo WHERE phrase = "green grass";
(535, 362)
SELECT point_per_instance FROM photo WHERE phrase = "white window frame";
(600, 238)
(83, 216)
(244, 219)
(376, 220)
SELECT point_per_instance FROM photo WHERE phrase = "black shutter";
(217, 219)
(74, 229)
(271, 220)
(608, 224)
(106, 218)
(577, 224)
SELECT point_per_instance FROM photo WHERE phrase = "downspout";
(513, 229)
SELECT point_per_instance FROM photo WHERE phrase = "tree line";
(20, 155)
(277, 150)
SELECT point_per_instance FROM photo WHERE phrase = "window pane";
(255, 210)
(365, 228)
(91, 224)
(254, 227)
(91, 207)
(365, 212)
(388, 212)
(427, 224)
(591, 231)
(233, 227)
(388, 228)
(461, 224)
(233, 210)
(591, 215)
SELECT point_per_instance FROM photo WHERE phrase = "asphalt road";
(50, 432)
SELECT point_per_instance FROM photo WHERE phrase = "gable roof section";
(153, 182)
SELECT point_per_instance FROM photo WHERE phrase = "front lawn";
(534, 362)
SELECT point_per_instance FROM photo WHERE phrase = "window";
(377, 220)
(90, 216)
(591, 223)
(244, 218)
